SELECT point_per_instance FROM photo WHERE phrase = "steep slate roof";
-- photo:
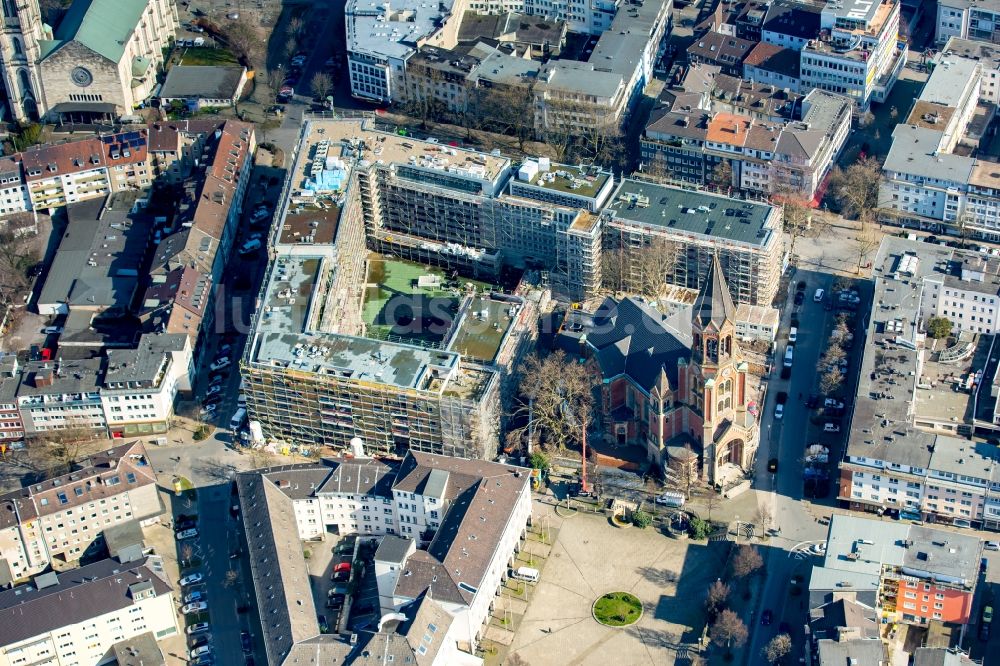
(79, 595)
(714, 304)
(103, 26)
(631, 338)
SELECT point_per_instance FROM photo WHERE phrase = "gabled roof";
(103, 26)
(714, 304)
(631, 338)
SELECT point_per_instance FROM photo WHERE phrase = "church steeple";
(714, 304)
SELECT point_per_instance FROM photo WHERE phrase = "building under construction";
(679, 231)
(349, 342)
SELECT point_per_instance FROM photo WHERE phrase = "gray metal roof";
(572, 76)
(202, 82)
(939, 656)
(394, 33)
(393, 549)
(693, 212)
(99, 255)
(855, 652)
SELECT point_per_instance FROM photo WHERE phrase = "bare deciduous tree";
(261, 457)
(728, 631)
(232, 577)
(763, 516)
(722, 175)
(715, 601)
(683, 470)
(559, 392)
(245, 41)
(321, 84)
(856, 188)
(778, 648)
(187, 553)
(830, 381)
(746, 561)
(866, 242)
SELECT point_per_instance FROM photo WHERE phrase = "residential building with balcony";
(968, 19)
(11, 424)
(76, 617)
(921, 575)
(443, 522)
(64, 173)
(857, 53)
(689, 144)
(14, 196)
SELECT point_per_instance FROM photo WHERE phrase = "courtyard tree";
(508, 110)
(321, 84)
(746, 561)
(187, 554)
(939, 327)
(728, 631)
(797, 218)
(856, 188)
(18, 254)
(56, 452)
(556, 394)
(763, 516)
(245, 41)
(539, 460)
(648, 266)
(716, 599)
(722, 175)
(778, 648)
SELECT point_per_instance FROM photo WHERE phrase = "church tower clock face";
(81, 76)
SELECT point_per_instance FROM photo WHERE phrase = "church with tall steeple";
(675, 384)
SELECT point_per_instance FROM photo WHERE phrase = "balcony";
(883, 85)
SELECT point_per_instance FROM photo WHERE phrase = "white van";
(525, 573)
(670, 499)
(818, 296)
(238, 418)
(793, 334)
(789, 353)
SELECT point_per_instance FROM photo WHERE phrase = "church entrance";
(736, 452)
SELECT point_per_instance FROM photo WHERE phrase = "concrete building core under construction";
(364, 327)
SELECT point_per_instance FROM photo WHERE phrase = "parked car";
(818, 548)
(831, 402)
(52, 330)
(992, 545)
(185, 523)
(197, 607)
(831, 427)
(341, 576)
(799, 298)
(197, 595)
(772, 465)
(220, 363)
(198, 628)
(246, 642)
(766, 617)
(779, 411)
(192, 579)
(213, 400)
(187, 534)
(208, 409)
(812, 401)
(200, 651)
(782, 397)
(213, 389)
(335, 601)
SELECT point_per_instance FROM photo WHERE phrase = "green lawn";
(200, 55)
(617, 609)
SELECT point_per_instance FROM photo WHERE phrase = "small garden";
(617, 609)
(207, 57)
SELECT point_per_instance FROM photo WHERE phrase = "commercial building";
(791, 24)
(449, 529)
(98, 64)
(857, 52)
(919, 574)
(931, 180)
(684, 384)
(905, 452)
(689, 144)
(198, 87)
(987, 55)
(693, 227)
(99, 259)
(77, 617)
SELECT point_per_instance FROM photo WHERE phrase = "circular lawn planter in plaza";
(617, 609)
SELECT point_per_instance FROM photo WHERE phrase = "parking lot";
(590, 557)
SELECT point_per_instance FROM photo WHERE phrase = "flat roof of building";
(581, 181)
(866, 545)
(915, 151)
(693, 212)
(376, 28)
(948, 81)
(858, 10)
(202, 82)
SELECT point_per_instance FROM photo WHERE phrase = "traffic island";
(617, 609)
